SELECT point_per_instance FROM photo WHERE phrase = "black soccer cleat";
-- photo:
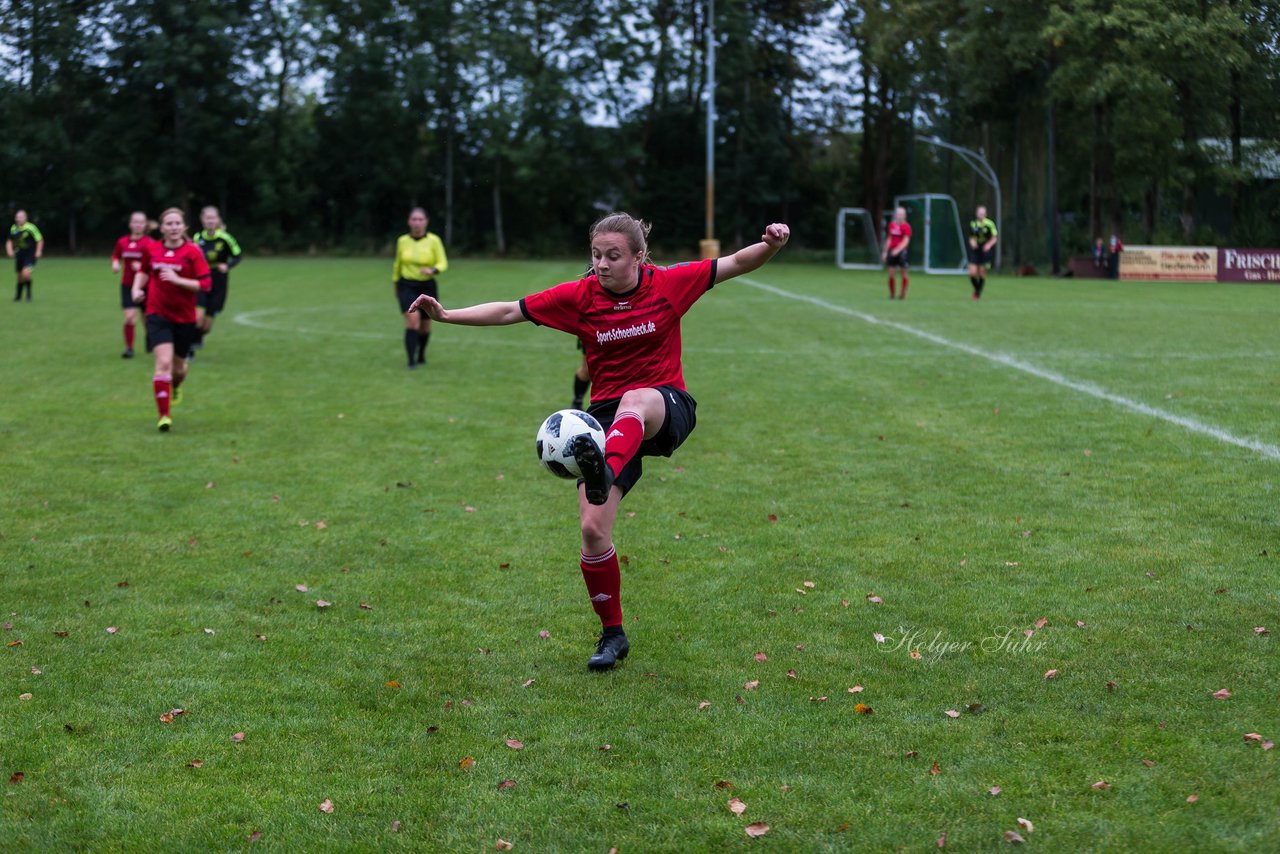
(127, 354)
(610, 649)
(597, 477)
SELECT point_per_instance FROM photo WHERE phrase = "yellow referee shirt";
(412, 254)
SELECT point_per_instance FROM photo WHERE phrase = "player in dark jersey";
(894, 254)
(581, 380)
(626, 312)
(221, 252)
(24, 245)
(982, 243)
(126, 259)
(172, 272)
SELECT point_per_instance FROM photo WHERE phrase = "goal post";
(936, 219)
(856, 245)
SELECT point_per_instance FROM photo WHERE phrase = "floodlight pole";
(710, 247)
(978, 163)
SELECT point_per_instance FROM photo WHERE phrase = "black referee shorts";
(407, 291)
(22, 259)
(979, 256)
(682, 417)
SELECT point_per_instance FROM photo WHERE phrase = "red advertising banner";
(1249, 265)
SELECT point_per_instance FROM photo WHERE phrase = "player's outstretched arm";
(753, 257)
(485, 314)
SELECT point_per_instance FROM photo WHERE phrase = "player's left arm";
(986, 247)
(902, 247)
(753, 257)
(442, 261)
(234, 247)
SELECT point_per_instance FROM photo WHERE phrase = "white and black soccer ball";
(555, 436)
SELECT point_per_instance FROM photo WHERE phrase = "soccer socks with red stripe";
(129, 331)
(162, 385)
(604, 586)
(623, 440)
(891, 286)
(905, 279)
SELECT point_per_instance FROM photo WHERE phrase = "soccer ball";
(555, 436)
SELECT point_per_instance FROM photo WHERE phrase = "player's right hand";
(429, 304)
(138, 295)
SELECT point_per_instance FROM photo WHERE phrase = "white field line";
(1191, 424)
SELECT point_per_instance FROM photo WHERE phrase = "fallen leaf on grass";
(605, 748)
(16, 777)
(321, 603)
(1101, 784)
(1261, 630)
(856, 689)
(994, 790)
(942, 840)
(723, 784)
(791, 674)
(365, 606)
(326, 806)
(705, 704)
(255, 836)
(936, 769)
(951, 713)
(1041, 623)
(1111, 685)
(466, 762)
(773, 517)
(36, 671)
(166, 718)
(915, 655)
(111, 630)
(14, 643)
(1148, 763)
(874, 599)
(196, 763)
(24, 696)
(503, 845)
(911, 754)
(544, 634)
(818, 699)
(395, 827)
(1192, 798)
(736, 806)
(810, 585)
(209, 485)
(752, 685)
(320, 526)
(879, 637)
(506, 784)
(210, 632)
(528, 683)
(1252, 736)
(1049, 674)
(1026, 825)
(1267, 745)
(515, 744)
(760, 656)
(391, 683)
(301, 588)
(1014, 837)
(238, 737)
(1221, 694)
(862, 709)
(755, 831)
(1080, 624)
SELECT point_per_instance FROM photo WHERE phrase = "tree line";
(315, 124)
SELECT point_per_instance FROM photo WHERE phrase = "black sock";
(580, 387)
(424, 338)
(17, 291)
(982, 283)
(411, 345)
(609, 631)
(973, 280)
(27, 285)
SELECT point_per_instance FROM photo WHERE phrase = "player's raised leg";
(640, 415)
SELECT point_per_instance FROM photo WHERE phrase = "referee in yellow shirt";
(419, 259)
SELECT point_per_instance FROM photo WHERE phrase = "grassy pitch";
(1062, 580)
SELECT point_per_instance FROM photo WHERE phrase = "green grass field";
(973, 498)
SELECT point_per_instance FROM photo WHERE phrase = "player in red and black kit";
(172, 272)
(894, 253)
(626, 313)
(126, 260)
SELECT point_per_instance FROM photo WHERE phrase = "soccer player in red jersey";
(172, 272)
(894, 253)
(626, 312)
(126, 260)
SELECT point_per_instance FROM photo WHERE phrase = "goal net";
(937, 243)
(856, 244)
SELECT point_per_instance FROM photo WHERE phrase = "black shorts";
(214, 299)
(407, 291)
(979, 256)
(682, 417)
(126, 298)
(899, 260)
(23, 258)
(162, 330)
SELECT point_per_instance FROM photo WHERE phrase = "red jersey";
(129, 253)
(170, 301)
(898, 233)
(632, 340)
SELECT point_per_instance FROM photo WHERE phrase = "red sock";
(623, 440)
(891, 286)
(904, 285)
(162, 385)
(604, 585)
(129, 330)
